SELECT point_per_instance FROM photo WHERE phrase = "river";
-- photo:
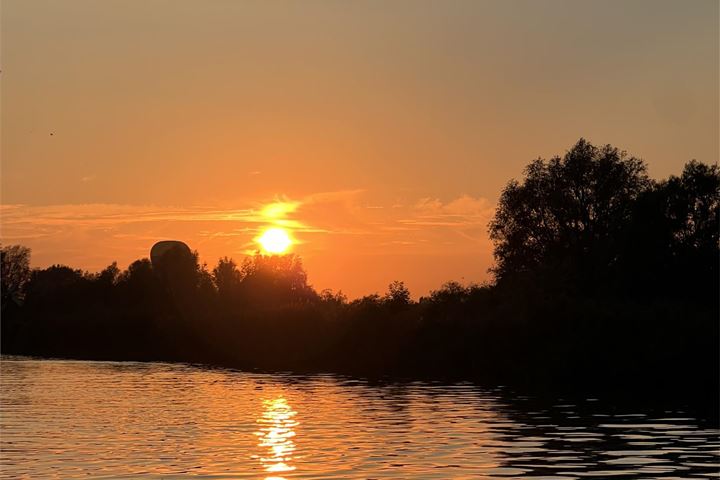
(85, 419)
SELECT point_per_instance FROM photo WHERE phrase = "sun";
(275, 240)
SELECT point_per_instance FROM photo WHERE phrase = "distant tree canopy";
(601, 272)
(593, 217)
(275, 280)
(398, 293)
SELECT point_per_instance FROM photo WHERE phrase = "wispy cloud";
(113, 214)
(341, 224)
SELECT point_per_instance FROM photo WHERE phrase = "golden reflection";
(276, 435)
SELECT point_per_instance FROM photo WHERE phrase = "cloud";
(464, 212)
(347, 222)
(279, 209)
(327, 212)
(339, 196)
(465, 206)
(98, 214)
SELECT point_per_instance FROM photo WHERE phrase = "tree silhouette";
(397, 294)
(275, 280)
(567, 212)
(227, 277)
(671, 245)
(15, 273)
(603, 277)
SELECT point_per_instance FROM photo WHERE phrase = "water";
(72, 419)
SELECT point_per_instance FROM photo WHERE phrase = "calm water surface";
(71, 419)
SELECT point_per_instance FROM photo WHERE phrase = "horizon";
(269, 216)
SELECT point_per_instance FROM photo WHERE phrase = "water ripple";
(71, 419)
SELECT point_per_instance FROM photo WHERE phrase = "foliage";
(603, 277)
(15, 273)
(568, 212)
(227, 277)
(397, 294)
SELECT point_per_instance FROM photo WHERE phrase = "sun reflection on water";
(276, 437)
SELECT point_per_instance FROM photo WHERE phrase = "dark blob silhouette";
(174, 248)
(604, 278)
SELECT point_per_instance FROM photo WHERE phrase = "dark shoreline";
(703, 400)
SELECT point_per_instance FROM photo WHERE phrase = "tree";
(398, 294)
(695, 205)
(141, 285)
(226, 277)
(109, 276)
(15, 273)
(567, 212)
(672, 243)
(139, 272)
(56, 285)
(275, 280)
(449, 292)
(329, 297)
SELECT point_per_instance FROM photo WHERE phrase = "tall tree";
(567, 212)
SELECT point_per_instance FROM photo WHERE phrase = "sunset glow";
(382, 161)
(275, 241)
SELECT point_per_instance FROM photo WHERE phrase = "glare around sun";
(275, 241)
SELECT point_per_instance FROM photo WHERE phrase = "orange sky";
(387, 128)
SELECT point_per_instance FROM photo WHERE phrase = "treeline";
(603, 277)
